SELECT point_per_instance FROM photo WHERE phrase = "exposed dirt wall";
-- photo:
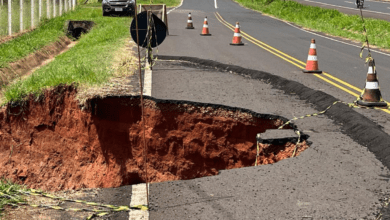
(52, 144)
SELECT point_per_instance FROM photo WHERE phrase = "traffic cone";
(312, 62)
(205, 30)
(189, 22)
(371, 96)
(236, 41)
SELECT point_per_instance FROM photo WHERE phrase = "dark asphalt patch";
(358, 127)
(120, 196)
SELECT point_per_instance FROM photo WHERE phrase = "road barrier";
(371, 95)
(236, 41)
(160, 10)
(205, 30)
(312, 61)
(189, 22)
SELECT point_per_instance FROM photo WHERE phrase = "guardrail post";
(39, 10)
(54, 8)
(32, 13)
(48, 9)
(9, 18)
(21, 15)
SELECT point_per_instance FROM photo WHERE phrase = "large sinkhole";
(53, 144)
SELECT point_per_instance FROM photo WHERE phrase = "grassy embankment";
(327, 21)
(86, 63)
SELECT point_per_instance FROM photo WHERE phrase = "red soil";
(53, 145)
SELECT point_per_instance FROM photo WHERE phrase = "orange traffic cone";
(371, 96)
(312, 62)
(236, 41)
(189, 22)
(205, 30)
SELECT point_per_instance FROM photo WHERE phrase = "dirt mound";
(52, 144)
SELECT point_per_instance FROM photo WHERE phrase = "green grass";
(48, 31)
(325, 20)
(169, 3)
(88, 62)
(9, 194)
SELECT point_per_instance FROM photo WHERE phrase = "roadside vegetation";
(48, 31)
(325, 20)
(169, 3)
(89, 62)
(9, 194)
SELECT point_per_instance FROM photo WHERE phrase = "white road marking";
(215, 4)
(347, 7)
(138, 197)
(148, 82)
(349, 2)
(376, 51)
(181, 3)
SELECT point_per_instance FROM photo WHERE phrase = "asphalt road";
(339, 58)
(337, 178)
(373, 9)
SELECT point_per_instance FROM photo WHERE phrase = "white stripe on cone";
(205, 19)
(312, 46)
(189, 21)
(237, 35)
(370, 70)
(189, 15)
(372, 85)
(312, 58)
(205, 26)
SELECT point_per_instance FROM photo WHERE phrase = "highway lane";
(371, 6)
(339, 58)
(372, 9)
(233, 191)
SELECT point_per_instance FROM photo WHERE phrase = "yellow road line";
(294, 61)
(337, 85)
(246, 36)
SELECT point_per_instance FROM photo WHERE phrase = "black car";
(118, 7)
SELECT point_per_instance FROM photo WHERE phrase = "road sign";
(157, 31)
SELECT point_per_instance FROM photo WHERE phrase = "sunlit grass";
(87, 63)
